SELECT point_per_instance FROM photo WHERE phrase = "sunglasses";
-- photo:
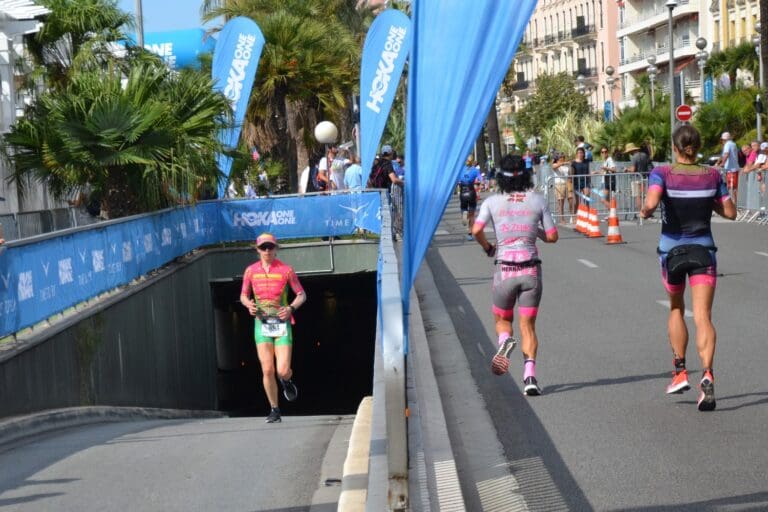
(267, 247)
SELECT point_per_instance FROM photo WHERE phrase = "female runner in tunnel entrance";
(519, 216)
(268, 279)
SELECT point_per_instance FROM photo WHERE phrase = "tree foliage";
(731, 60)
(124, 127)
(308, 70)
(134, 143)
(555, 95)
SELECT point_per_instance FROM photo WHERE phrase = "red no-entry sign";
(683, 113)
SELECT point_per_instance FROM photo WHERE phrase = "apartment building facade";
(584, 37)
(571, 36)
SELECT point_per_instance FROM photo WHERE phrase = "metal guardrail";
(388, 472)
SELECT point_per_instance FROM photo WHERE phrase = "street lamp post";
(701, 57)
(757, 42)
(652, 70)
(611, 82)
(139, 24)
(671, 4)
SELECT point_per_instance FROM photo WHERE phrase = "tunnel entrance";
(333, 347)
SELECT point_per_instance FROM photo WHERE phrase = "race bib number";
(274, 328)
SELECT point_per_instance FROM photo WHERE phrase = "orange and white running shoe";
(500, 362)
(707, 392)
(679, 382)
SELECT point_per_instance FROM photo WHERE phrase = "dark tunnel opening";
(333, 347)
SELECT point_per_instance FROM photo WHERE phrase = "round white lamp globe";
(326, 132)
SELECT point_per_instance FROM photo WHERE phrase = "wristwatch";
(293, 309)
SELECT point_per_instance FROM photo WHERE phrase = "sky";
(164, 15)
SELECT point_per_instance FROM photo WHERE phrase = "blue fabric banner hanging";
(386, 47)
(461, 52)
(235, 61)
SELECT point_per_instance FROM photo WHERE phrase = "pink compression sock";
(530, 369)
(503, 337)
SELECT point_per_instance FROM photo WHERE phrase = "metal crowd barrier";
(27, 224)
(397, 198)
(752, 197)
(564, 194)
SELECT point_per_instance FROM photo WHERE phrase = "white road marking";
(688, 313)
(588, 263)
(762, 253)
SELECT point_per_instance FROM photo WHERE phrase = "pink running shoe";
(500, 362)
(679, 383)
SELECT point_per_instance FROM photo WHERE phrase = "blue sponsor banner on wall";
(40, 279)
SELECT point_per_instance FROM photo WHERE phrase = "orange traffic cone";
(613, 236)
(582, 221)
(594, 224)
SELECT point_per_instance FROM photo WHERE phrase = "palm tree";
(72, 26)
(136, 143)
(308, 70)
(731, 60)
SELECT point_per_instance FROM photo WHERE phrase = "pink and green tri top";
(270, 287)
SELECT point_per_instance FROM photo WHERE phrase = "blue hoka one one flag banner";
(386, 47)
(461, 52)
(235, 61)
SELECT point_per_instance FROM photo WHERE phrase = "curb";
(20, 427)
(437, 459)
(354, 482)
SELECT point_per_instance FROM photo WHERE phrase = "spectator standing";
(729, 160)
(324, 182)
(561, 167)
(338, 165)
(689, 193)
(383, 174)
(353, 176)
(608, 167)
(639, 163)
(583, 183)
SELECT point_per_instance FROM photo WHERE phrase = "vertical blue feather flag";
(461, 52)
(235, 61)
(386, 47)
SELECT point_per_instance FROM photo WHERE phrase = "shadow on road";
(530, 453)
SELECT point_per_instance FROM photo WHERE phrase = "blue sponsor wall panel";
(41, 278)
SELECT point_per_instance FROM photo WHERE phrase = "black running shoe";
(531, 387)
(500, 362)
(289, 390)
(707, 393)
(274, 416)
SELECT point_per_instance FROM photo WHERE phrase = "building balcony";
(656, 16)
(521, 85)
(584, 31)
(586, 72)
(639, 61)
